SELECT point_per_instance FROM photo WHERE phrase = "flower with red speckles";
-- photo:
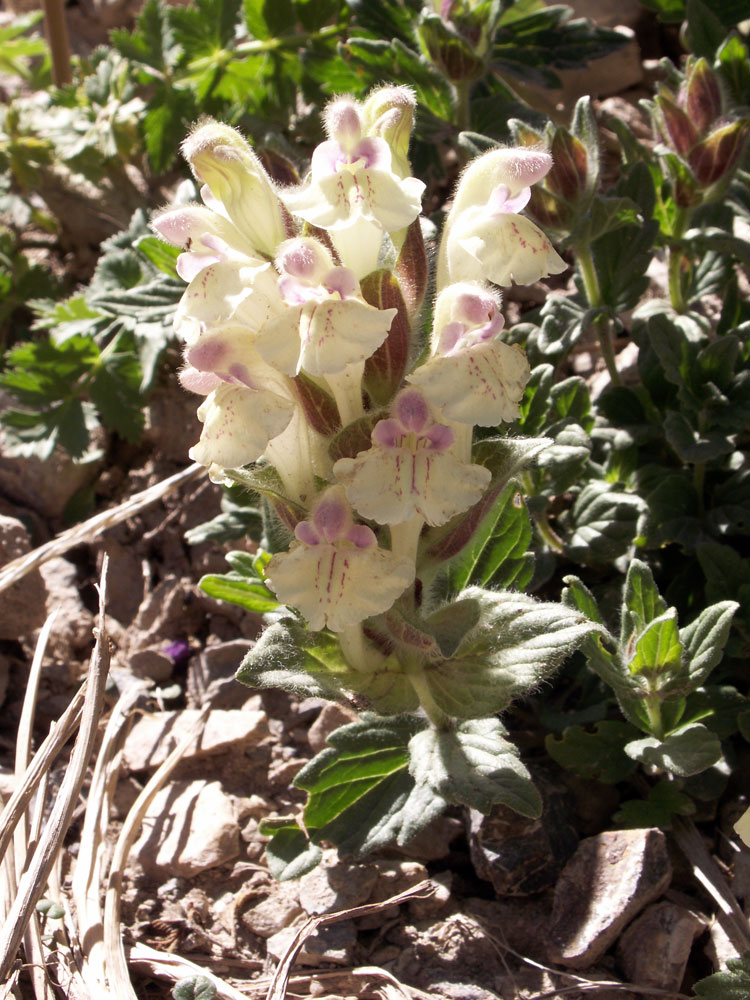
(485, 239)
(327, 324)
(335, 573)
(472, 376)
(410, 470)
(353, 192)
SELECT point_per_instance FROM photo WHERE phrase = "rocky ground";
(518, 908)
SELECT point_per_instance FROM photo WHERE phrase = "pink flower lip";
(501, 202)
(331, 518)
(411, 410)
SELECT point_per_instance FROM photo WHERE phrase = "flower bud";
(717, 156)
(388, 113)
(569, 173)
(702, 97)
(678, 129)
(221, 159)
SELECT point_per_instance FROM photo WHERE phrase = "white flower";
(410, 470)
(335, 574)
(238, 423)
(472, 377)
(239, 187)
(328, 325)
(207, 237)
(484, 237)
(353, 192)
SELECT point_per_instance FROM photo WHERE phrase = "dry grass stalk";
(279, 983)
(32, 882)
(82, 533)
(40, 765)
(114, 957)
(173, 967)
(86, 888)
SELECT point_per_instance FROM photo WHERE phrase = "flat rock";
(189, 827)
(518, 855)
(610, 879)
(154, 736)
(331, 718)
(22, 604)
(336, 885)
(268, 909)
(654, 949)
(211, 678)
(334, 944)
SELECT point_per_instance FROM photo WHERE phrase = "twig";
(33, 880)
(114, 957)
(41, 763)
(705, 870)
(80, 533)
(278, 987)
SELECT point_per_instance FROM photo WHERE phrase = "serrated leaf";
(290, 854)
(160, 254)
(115, 390)
(517, 643)
(597, 755)
(497, 552)
(664, 801)
(689, 750)
(289, 656)
(474, 765)
(361, 795)
(704, 640)
(602, 523)
(657, 651)
(641, 601)
(733, 983)
(693, 445)
(536, 400)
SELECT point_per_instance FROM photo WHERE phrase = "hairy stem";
(415, 672)
(594, 298)
(675, 258)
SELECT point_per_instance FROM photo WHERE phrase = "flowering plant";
(304, 327)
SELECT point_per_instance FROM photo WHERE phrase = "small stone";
(433, 843)
(22, 602)
(151, 662)
(606, 883)
(393, 877)
(211, 680)
(331, 717)
(154, 736)
(189, 827)
(336, 885)
(655, 948)
(333, 944)
(271, 908)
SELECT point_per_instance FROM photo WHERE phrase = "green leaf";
(497, 552)
(576, 595)
(694, 446)
(517, 643)
(602, 523)
(689, 750)
(536, 400)
(657, 652)
(289, 656)
(236, 589)
(704, 640)
(361, 794)
(605, 214)
(705, 30)
(594, 756)
(474, 765)
(194, 988)
(115, 390)
(641, 602)
(290, 854)
(152, 43)
(160, 254)
(718, 707)
(733, 983)
(664, 801)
